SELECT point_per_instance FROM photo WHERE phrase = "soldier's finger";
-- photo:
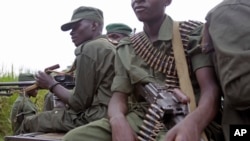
(181, 96)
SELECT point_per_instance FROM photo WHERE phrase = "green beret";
(26, 77)
(118, 28)
(83, 12)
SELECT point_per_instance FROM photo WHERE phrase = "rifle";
(165, 110)
(8, 88)
(48, 70)
(66, 80)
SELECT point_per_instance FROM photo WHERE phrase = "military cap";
(118, 28)
(26, 77)
(83, 12)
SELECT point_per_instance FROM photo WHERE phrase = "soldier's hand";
(182, 98)
(185, 130)
(44, 80)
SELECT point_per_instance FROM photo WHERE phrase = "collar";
(79, 48)
(166, 29)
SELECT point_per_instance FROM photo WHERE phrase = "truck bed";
(37, 136)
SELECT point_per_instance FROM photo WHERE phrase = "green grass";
(6, 103)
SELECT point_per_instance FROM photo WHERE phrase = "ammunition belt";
(159, 60)
(152, 124)
(164, 63)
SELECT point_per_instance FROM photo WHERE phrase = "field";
(7, 101)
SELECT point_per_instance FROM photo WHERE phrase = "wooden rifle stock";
(49, 69)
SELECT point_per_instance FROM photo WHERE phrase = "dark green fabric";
(22, 108)
(89, 101)
(195, 50)
(231, 116)
(84, 12)
(59, 120)
(95, 72)
(229, 29)
(102, 127)
(118, 28)
(131, 70)
(48, 102)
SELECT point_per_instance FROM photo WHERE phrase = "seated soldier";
(94, 69)
(152, 56)
(117, 31)
(23, 106)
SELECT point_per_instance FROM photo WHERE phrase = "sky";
(31, 38)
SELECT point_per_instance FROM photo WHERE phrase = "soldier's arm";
(117, 116)
(209, 102)
(206, 109)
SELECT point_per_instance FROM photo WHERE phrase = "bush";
(6, 103)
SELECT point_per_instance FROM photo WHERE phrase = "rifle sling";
(182, 69)
(181, 66)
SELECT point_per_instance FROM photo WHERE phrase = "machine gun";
(8, 88)
(165, 110)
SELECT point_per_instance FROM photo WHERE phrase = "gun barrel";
(23, 83)
(9, 90)
(5, 94)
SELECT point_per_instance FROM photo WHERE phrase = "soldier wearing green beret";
(228, 36)
(23, 106)
(94, 71)
(117, 31)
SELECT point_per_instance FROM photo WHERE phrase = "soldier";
(135, 65)
(117, 31)
(228, 35)
(94, 71)
(23, 106)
